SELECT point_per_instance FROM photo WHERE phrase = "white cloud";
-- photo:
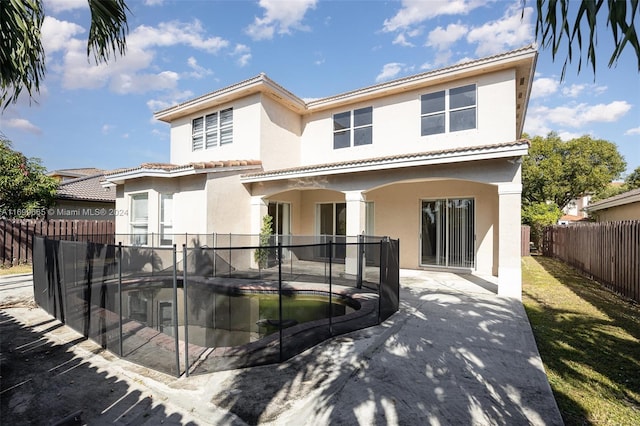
(243, 54)
(575, 90)
(413, 12)
(544, 86)
(131, 73)
(567, 136)
(153, 2)
(389, 71)
(542, 119)
(198, 71)
(443, 38)
(279, 17)
(56, 34)
(513, 30)
(168, 100)
(21, 124)
(106, 129)
(401, 40)
(633, 131)
(58, 6)
(173, 33)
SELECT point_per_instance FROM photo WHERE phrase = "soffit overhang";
(512, 151)
(523, 60)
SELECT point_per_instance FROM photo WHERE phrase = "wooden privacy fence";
(525, 237)
(16, 235)
(608, 252)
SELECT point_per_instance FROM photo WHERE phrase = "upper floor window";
(448, 110)
(212, 130)
(353, 128)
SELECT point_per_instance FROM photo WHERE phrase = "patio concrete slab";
(455, 353)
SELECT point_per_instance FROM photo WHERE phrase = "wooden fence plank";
(16, 235)
(609, 252)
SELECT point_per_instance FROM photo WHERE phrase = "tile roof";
(387, 159)
(167, 167)
(87, 188)
(80, 172)
(616, 200)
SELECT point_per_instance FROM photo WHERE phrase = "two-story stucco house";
(433, 159)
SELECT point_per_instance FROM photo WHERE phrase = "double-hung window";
(353, 128)
(166, 219)
(139, 218)
(212, 130)
(448, 110)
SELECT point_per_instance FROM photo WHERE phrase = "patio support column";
(259, 209)
(509, 266)
(356, 222)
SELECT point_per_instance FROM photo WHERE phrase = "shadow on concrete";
(44, 383)
(444, 358)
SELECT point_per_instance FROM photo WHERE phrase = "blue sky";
(102, 116)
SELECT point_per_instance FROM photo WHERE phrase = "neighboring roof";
(510, 149)
(80, 172)
(523, 60)
(167, 170)
(628, 197)
(87, 188)
(573, 218)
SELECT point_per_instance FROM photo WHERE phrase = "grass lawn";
(18, 269)
(589, 341)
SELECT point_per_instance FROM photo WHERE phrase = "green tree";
(538, 215)
(558, 172)
(25, 190)
(561, 25)
(633, 180)
(22, 56)
(261, 255)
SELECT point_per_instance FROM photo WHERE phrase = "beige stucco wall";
(228, 204)
(246, 135)
(396, 123)
(82, 210)
(280, 131)
(629, 211)
(189, 203)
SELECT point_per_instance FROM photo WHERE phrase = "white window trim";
(220, 127)
(133, 223)
(447, 110)
(352, 128)
(162, 223)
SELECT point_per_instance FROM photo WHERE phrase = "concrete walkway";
(455, 354)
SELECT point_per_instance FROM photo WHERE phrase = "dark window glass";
(342, 121)
(362, 117)
(462, 120)
(433, 124)
(461, 97)
(432, 102)
(342, 139)
(362, 136)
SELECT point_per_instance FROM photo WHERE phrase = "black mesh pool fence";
(195, 309)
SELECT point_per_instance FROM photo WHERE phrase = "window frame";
(208, 138)
(138, 239)
(163, 223)
(448, 111)
(352, 128)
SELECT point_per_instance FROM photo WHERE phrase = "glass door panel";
(448, 233)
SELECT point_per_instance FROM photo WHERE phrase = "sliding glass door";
(448, 232)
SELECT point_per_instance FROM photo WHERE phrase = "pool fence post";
(360, 251)
(215, 246)
(330, 244)
(120, 296)
(229, 254)
(175, 309)
(280, 298)
(186, 310)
